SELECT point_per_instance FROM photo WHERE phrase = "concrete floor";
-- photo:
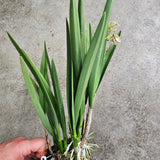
(127, 107)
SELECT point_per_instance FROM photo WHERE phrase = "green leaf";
(33, 95)
(76, 50)
(88, 65)
(35, 85)
(69, 78)
(36, 73)
(43, 70)
(70, 88)
(52, 104)
(58, 96)
(80, 119)
(37, 88)
(89, 37)
(108, 7)
(52, 78)
(96, 73)
(88, 42)
(97, 67)
(57, 92)
(82, 25)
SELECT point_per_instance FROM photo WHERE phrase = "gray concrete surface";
(127, 107)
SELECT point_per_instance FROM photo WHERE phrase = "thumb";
(33, 145)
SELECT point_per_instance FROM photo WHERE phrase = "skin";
(22, 149)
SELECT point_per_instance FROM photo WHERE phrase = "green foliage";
(87, 61)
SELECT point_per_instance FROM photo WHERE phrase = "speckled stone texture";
(126, 114)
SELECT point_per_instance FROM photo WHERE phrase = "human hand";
(22, 149)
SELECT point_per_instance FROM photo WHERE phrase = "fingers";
(15, 140)
(38, 144)
(30, 157)
(33, 145)
(20, 148)
(18, 139)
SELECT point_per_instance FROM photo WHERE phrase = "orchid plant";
(87, 61)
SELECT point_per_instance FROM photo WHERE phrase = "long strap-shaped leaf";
(43, 102)
(38, 76)
(35, 85)
(36, 73)
(88, 37)
(57, 92)
(96, 73)
(50, 70)
(88, 65)
(58, 95)
(108, 7)
(97, 67)
(45, 88)
(33, 95)
(70, 88)
(80, 119)
(49, 113)
(75, 40)
(82, 26)
(43, 70)
(69, 80)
